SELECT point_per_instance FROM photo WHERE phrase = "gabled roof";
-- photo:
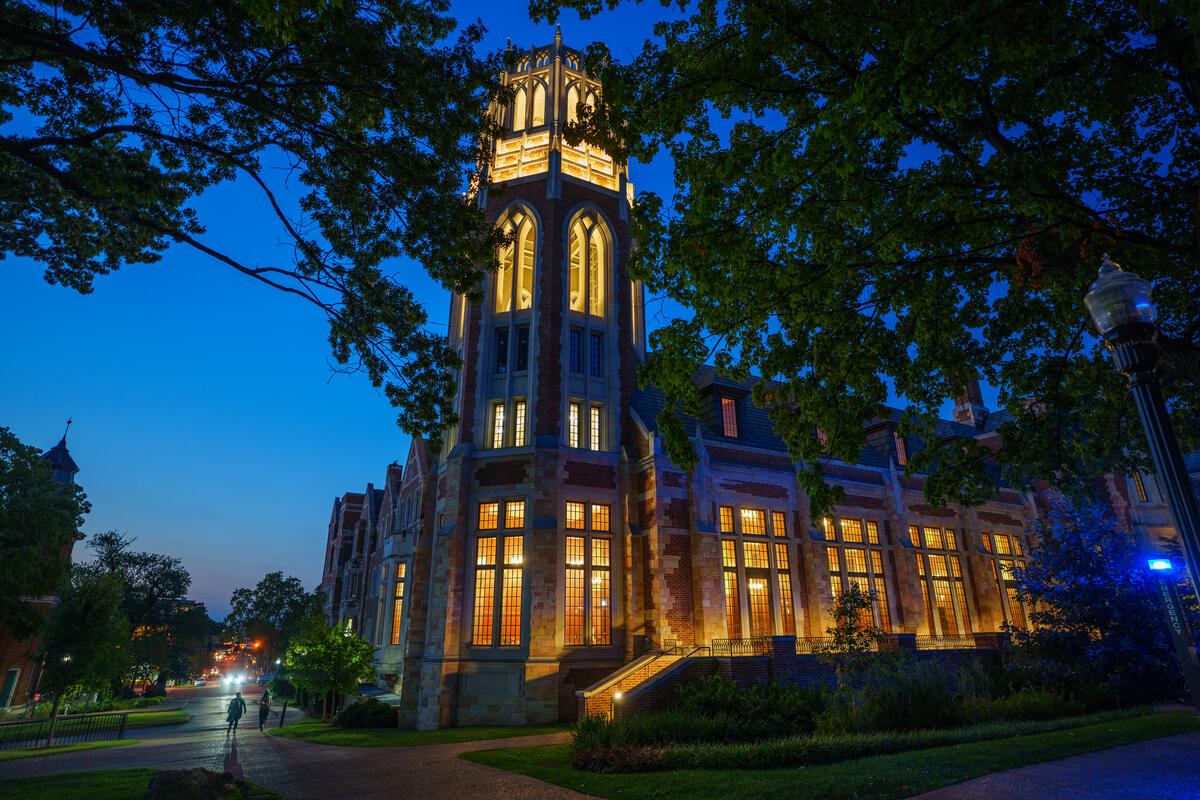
(59, 457)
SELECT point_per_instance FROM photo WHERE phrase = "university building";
(552, 543)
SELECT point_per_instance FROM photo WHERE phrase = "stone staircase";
(598, 699)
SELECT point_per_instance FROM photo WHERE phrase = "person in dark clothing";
(264, 708)
(237, 707)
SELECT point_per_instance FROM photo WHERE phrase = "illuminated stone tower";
(528, 546)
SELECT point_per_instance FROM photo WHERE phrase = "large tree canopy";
(907, 193)
(38, 520)
(272, 612)
(115, 116)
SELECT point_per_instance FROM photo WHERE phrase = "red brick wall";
(756, 489)
(599, 476)
(500, 473)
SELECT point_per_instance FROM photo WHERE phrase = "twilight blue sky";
(208, 424)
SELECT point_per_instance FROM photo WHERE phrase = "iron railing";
(69, 729)
(752, 646)
(816, 644)
(961, 642)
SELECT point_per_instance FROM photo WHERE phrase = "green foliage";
(894, 694)
(360, 122)
(853, 634)
(1098, 622)
(281, 688)
(86, 644)
(889, 196)
(272, 612)
(766, 710)
(329, 661)
(38, 520)
(367, 713)
(168, 639)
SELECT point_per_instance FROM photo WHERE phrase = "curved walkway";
(305, 771)
(1156, 769)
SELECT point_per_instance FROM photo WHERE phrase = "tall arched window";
(588, 256)
(539, 105)
(519, 110)
(515, 277)
(573, 103)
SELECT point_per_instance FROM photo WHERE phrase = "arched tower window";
(519, 110)
(573, 103)
(589, 263)
(539, 105)
(515, 276)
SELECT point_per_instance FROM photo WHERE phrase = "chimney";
(968, 406)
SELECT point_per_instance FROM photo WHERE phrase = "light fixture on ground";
(1122, 309)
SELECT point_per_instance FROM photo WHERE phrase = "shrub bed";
(818, 748)
(367, 713)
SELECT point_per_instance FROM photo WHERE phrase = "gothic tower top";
(551, 84)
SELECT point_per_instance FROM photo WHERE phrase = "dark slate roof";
(995, 420)
(60, 458)
(757, 431)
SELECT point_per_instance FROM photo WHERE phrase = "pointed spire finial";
(64, 436)
(558, 35)
(1108, 265)
(508, 44)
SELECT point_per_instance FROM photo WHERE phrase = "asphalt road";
(301, 770)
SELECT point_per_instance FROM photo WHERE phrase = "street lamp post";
(1121, 307)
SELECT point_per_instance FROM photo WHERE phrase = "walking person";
(237, 707)
(264, 708)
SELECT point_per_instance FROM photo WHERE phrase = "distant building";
(17, 658)
(553, 541)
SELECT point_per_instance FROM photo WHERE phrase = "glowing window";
(485, 590)
(835, 565)
(781, 556)
(726, 514)
(510, 615)
(851, 530)
(600, 517)
(729, 416)
(539, 105)
(733, 613)
(489, 516)
(754, 522)
(901, 450)
(575, 516)
(398, 602)
(1001, 543)
(594, 427)
(519, 423)
(573, 597)
(573, 424)
(588, 264)
(498, 425)
(872, 532)
(1141, 487)
(514, 278)
(755, 554)
(914, 535)
(728, 553)
(760, 606)
(778, 526)
(951, 540)
(514, 514)
(933, 538)
(573, 104)
(519, 107)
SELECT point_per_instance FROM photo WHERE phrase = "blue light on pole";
(1160, 564)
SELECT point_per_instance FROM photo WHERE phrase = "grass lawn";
(152, 719)
(313, 730)
(103, 784)
(33, 752)
(875, 778)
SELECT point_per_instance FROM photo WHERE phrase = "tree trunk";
(53, 721)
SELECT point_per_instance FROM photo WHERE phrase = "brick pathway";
(1157, 769)
(304, 771)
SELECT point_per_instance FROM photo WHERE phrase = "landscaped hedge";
(799, 751)
(367, 713)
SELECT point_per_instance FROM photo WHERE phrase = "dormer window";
(729, 423)
(901, 450)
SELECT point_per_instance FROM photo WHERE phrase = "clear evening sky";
(207, 423)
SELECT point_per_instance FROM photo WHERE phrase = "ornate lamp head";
(1118, 299)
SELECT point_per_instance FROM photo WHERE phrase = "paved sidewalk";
(305, 771)
(1156, 769)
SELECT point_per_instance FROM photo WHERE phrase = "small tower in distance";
(63, 467)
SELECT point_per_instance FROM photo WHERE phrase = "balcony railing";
(752, 646)
(959, 642)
